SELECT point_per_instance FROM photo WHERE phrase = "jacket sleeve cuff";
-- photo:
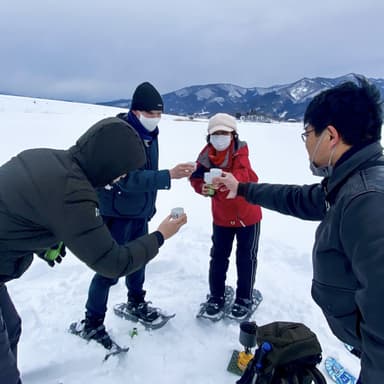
(160, 238)
(242, 189)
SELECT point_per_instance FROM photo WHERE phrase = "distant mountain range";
(279, 102)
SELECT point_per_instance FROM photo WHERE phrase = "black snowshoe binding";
(215, 308)
(150, 317)
(243, 309)
(89, 330)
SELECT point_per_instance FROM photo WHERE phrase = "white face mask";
(325, 170)
(149, 123)
(220, 142)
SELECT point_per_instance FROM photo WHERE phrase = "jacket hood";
(107, 150)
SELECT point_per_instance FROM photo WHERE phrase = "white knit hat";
(222, 122)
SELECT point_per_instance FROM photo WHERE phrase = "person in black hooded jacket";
(342, 132)
(48, 197)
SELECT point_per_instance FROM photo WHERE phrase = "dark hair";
(353, 108)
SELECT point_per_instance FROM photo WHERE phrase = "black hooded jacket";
(48, 195)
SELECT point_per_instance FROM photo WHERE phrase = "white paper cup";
(215, 172)
(176, 212)
(207, 178)
(194, 164)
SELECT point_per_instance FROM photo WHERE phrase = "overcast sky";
(100, 50)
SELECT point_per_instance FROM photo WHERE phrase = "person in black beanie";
(147, 98)
(126, 208)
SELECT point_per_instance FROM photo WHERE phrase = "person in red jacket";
(231, 217)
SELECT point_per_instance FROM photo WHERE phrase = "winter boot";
(142, 310)
(214, 305)
(95, 330)
(241, 308)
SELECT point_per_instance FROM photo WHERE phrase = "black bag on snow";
(288, 354)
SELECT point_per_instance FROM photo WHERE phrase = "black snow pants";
(10, 330)
(246, 258)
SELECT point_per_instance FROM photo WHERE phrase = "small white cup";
(207, 178)
(194, 165)
(176, 212)
(215, 172)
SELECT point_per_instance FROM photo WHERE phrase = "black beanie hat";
(147, 98)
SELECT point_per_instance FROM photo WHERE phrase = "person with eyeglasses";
(342, 136)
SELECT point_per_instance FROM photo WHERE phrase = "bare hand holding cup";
(226, 182)
(169, 226)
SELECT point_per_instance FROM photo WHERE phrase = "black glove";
(54, 254)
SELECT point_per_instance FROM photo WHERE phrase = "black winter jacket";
(348, 254)
(48, 195)
(134, 197)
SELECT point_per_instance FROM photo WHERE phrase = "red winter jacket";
(229, 212)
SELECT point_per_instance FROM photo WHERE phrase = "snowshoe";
(213, 310)
(115, 350)
(149, 317)
(241, 310)
(98, 334)
(337, 372)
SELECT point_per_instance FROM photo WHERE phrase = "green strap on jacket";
(51, 254)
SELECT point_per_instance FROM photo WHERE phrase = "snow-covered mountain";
(279, 102)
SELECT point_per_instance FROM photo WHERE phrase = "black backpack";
(288, 354)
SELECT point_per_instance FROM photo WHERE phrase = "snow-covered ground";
(186, 350)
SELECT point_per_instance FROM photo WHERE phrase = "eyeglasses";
(305, 134)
